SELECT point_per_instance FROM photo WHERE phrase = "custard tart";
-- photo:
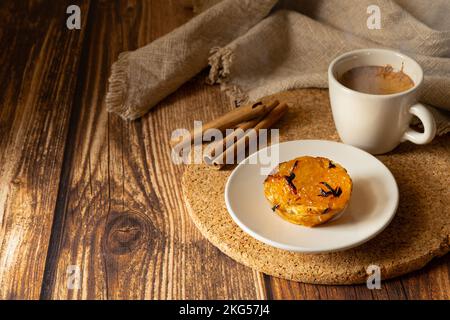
(308, 190)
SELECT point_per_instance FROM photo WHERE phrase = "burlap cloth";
(259, 47)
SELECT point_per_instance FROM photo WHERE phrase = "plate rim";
(298, 249)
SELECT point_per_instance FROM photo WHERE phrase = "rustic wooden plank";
(432, 282)
(124, 221)
(39, 60)
(284, 289)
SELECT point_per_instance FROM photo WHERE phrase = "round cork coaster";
(419, 231)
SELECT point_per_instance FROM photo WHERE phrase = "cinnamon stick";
(269, 120)
(227, 121)
(210, 151)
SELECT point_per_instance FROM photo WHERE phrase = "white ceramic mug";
(378, 123)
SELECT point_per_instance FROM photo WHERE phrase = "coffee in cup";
(376, 80)
(373, 96)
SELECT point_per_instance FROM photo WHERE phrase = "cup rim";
(333, 63)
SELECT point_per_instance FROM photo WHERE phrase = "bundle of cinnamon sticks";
(237, 128)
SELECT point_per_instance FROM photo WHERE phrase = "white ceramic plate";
(371, 208)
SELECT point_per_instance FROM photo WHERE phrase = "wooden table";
(83, 191)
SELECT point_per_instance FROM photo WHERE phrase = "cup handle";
(429, 125)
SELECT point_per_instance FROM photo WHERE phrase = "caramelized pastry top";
(308, 190)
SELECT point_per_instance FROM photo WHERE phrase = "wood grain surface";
(80, 189)
(39, 59)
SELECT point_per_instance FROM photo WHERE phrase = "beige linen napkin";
(142, 78)
(266, 46)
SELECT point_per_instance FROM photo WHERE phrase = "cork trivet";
(419, 231)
